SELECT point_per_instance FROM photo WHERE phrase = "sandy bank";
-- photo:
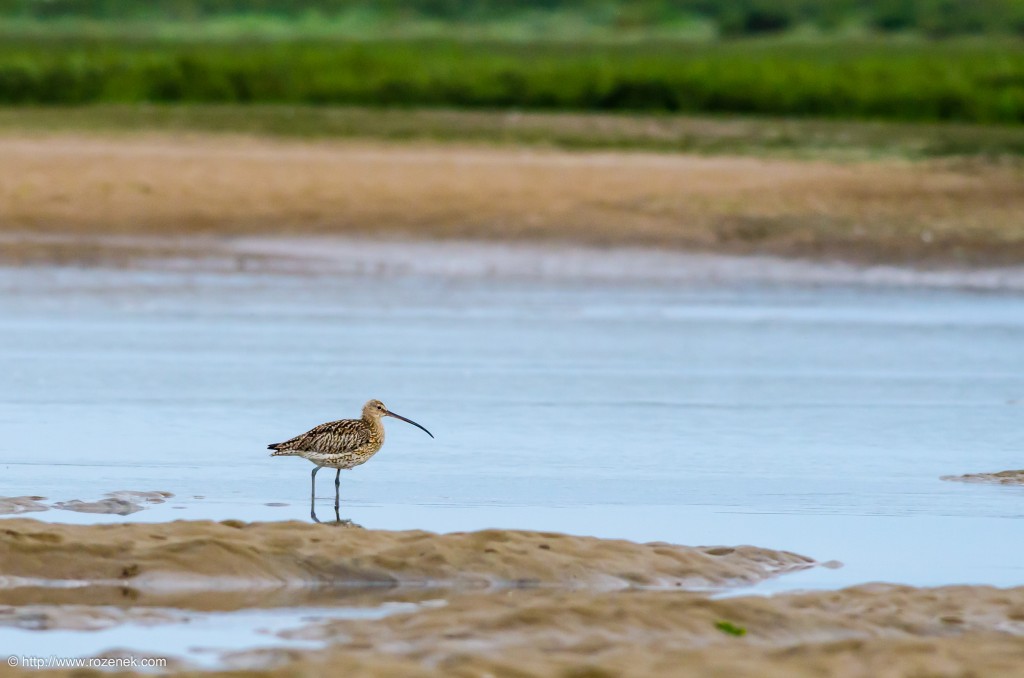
(1000, 478)
(590, 613)
(889, 211)
(215, 555)
(875, 631)
(869, 631)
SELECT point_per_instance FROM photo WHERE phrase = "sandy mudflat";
(1000, 478)
(12, 505)
(876, 631)
(301, 553)
(122, 502)
(588, 609)
(889, 211)
(468, 259)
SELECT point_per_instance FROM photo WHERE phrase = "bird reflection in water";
(338, 520)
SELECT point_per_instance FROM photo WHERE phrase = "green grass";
(840, 140)
(731, 629)
(537, 19)
(361, 25)
(967, 81)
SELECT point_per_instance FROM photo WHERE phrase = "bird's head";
(374, 409)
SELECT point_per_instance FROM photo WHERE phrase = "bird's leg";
(312, 494)
(337, 489)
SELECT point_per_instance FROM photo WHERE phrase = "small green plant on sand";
(730, 628)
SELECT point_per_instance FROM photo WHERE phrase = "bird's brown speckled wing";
(345, 434)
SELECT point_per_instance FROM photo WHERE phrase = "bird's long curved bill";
(410, 421)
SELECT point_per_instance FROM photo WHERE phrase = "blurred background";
(860, 84)
(907, 60)
(733, 271)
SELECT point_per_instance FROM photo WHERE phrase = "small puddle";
(183, 638)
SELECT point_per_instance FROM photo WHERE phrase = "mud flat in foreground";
(880, 211)
(499, 602)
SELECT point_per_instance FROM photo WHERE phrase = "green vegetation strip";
(965, 81)
(543, 18)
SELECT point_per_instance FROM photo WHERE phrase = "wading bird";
(340, 444)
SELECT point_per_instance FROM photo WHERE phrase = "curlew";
(342, 444)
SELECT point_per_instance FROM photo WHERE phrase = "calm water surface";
(813, 419)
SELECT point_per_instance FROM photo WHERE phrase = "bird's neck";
(375, 424)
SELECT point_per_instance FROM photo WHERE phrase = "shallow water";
(811, 418)
(197, 639)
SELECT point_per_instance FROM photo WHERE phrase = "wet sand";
(864, 631)
(208, 554)
(953, 212)
(1000, 478)
(502, 603)
(122, 503)
(307, 256)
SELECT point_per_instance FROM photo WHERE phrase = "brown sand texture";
(890, 211)
(301, 553)
(500, 603)
(1000, 478)
(871, 631)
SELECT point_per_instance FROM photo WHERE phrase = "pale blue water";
(817, 419)
(207, 640)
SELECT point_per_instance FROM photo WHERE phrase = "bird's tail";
(278, 451)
